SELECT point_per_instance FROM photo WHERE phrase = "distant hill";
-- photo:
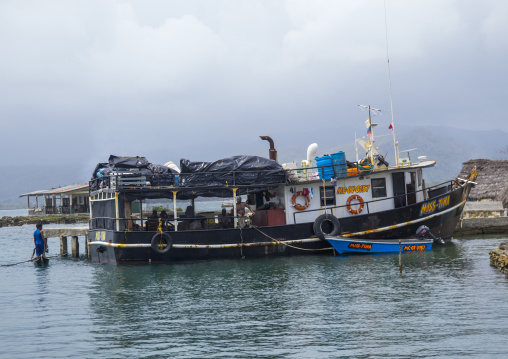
(450, 147)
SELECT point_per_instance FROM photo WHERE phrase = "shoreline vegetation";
(7, 221)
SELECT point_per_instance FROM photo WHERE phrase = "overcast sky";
(202, 79)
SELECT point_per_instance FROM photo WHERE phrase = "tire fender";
(159, 240)
(318, 223)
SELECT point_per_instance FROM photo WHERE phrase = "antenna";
(356, 148)
(370, 130)
(395, 144)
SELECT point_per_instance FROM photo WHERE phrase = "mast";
(370, 132)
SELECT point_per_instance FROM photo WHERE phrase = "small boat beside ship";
(362, 246)
(41, 261)
(296, 207)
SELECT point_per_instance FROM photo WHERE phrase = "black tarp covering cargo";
(160, 175)
(249, 174)
(128, 162)
(120, 163)
(258, 173)
(99, 169)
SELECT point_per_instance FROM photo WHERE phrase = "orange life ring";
(348, 204)
(300, 207)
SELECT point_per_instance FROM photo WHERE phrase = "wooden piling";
(75, 246)
(63, 246)
(400, 256)
(86, 245)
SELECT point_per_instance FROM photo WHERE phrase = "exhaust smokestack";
(273, 151)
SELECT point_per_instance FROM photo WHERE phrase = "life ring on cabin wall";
(300, 207)
(348, 204)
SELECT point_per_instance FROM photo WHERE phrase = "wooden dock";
(63, 233)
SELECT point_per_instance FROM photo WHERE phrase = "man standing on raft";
(40, 241)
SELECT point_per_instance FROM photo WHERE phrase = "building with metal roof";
(66, 200)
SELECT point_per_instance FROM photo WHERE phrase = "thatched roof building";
(492, 180)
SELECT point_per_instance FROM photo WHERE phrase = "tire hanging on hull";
(318, 226)
(161, 243)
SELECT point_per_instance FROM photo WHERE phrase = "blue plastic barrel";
(325, 167)
(339, 164)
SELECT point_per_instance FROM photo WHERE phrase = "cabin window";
(378, 187)
(329, 199)
(419, 177)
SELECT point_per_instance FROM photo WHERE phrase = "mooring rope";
(289, 245)
(28, 260)
(13, 264)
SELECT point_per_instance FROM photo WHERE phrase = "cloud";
(168, 74)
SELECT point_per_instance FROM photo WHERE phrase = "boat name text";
(353, 189)
(430, 207)
(366, 246)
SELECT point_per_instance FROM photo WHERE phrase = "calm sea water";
(448, 303)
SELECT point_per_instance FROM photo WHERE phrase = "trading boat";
(296, 207)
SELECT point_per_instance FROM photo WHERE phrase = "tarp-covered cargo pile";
(206, 179)
(258, 173)
(156, 175)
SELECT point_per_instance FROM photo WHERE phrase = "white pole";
(390, 87)
(371, 140)
(356, 148)
(175, 216)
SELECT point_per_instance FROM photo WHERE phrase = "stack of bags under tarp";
(157, 175)
(207, 179)
(210, 178)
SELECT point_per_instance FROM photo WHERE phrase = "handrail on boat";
(109, 223)
(135, 180)
(447, 184)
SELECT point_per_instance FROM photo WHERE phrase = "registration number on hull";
(419, 247)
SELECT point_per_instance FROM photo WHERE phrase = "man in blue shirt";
(40, 241)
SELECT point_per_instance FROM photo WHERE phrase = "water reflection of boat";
(295, 207)
(346, 245)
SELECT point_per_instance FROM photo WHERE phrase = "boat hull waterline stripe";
(260, 244)
(208, 246)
